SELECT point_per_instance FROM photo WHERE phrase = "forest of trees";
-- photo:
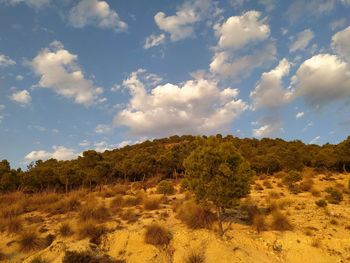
(164, 158)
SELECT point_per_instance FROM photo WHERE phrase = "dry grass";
(259, 223)
(151, 203)
(65, 230)
(12, 210)
(14, 225)
(29, 240)
(131, 200)
(194, 216)
(130, 216)
(280, 222)
(157, 235)
(92, 230)
(307, 184)
(194, 256)
(91, 212)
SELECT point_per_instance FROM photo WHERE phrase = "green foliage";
(334, 196)
(217, 173)
(165, 187)
(292, 177)
(321, 203)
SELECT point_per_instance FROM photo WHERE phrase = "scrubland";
(287, 217)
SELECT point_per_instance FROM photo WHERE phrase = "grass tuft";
(280, 222)
(157, 235)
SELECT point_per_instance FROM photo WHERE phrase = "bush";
(14, 225)
(65, 230)
(334, 196)
(157, 235)
(184, 185)
(151, 203)
(92, 212)
(194, 216)
(259, 223)
(292, 177)
(195, 257)
(86, 257)
(93, 231)
(30, 240)
(130, 200)
(306, 184)
(165, 187)
(280, 222)
(321, 203)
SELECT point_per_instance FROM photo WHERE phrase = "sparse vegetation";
(321, 203)
(65, 230)
(93, 212)
(86, 257)
(165, 187)
(280, 222)
(157, 235)
(29, 240)
(151, 203)
(195, 256)
(334, 196)
(92, 230)
(292, 177)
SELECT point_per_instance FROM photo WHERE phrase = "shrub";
(116, 203)
(250, 211)
(195, 256)
(321, 203)
(259, 222)
(315, 192)
(194, 216)
(334, 196)
(292, 177)
(165, 187)
(93, 231)
(96, 213)
(306, 184)
(30, 240)
(184, 185)
(280, 222)
(86, 257)
(151, 203)
(65, 230)
(130, 216)
(120, 189)
(14, 225)
(157, 235)
(280, 174)
(130, 200)
(12, 210)
(38, 260)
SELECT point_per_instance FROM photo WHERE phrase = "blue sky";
(93, 74)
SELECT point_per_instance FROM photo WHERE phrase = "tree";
(218, 174)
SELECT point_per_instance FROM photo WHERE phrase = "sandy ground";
(319, 235)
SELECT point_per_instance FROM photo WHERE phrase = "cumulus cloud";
(37, 4)
(103, 128)
(302, 41)
(103, 146)
(59, 72)
(309, 8)
(227, 65)
(97, 13)
(269, 127)
(269, 92)
(58, 153)
(153, 41)
(335, 24)
(196, 106)
(6, 61)
(181, 25)
(322, 79)
(299, 115)
(237, 31)
(22, 97)
(341, 43)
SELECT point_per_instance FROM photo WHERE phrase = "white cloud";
(270, 127)
(103, 146)
(5, 61)
(308, 8)
(315, 140)
(196, 106)
(95, 12)
(124, 143)
(302, 41)
(335, 24)
(322, 79)
(237, 31)
(341, 43)
(103, 128)
(229, 66)
(58, 153)
(22, 97)
(19, 77)
(269, 92)
(299, 115)
(59, 72)
(181, 25)
(37, 4)
(153, 41)
(84, 143)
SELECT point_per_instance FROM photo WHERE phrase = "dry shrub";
(92, 230)
(86, 257)
(274, 205)
(130, 216)
(195, 216)
(14, 225)
(65, 230)
(321, 203)
(259, 222)
(38, 260)
(280, 222)
(334, 196)
(130, 200)
(151, 203)
(315, 192)
(91, 212)
(29, 240)
(280, 174)
(152, 182)
(157, 235)
(166, 187)
(306, 184)
(267, 184)
(249, 210)
(12, 210)
(11, 198)
(66, 205)
(120, 189)
(195, 256)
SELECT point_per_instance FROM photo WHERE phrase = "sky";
(94, 74)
